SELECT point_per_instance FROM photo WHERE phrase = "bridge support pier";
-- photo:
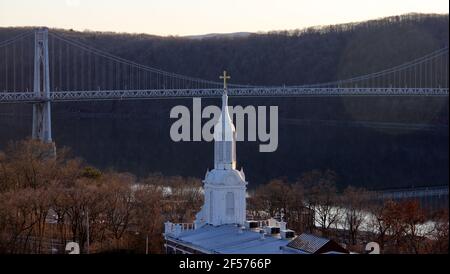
(42, 128)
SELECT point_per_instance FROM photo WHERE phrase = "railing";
(177, 228)
(90, 95)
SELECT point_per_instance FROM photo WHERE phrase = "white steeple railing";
(177, 228)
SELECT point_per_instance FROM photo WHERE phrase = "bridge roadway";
(98, 95)
(412, 193)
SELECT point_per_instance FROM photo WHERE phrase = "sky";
(194, 17)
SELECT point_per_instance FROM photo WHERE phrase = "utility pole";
(87, 229)
(146, 244)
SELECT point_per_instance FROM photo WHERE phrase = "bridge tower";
(42, 128)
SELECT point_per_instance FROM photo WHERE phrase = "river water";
(377, 143)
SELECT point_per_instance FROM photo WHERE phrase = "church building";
(221, 226)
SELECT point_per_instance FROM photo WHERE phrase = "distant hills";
(219, 35)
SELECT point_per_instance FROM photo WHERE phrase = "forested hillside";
(311, 55)
(373, 142)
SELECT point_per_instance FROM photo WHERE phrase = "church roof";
(226, 239)
(308, 242)
(314, 244)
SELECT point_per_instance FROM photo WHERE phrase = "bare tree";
(147, 215)
(117, 194)
(412, 215)
(275, 197)
(354, 203)
(17, 218)
(183, 197)
(320, 197)
(381, 221)
(440, 232)
(299, 217)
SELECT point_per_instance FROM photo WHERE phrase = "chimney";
(282, 225)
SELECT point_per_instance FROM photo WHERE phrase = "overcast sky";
(189, 17)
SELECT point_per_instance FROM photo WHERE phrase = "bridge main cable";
(132, 63)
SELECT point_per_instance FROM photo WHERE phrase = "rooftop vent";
(251, 224)
(287, 234)
(272, 230)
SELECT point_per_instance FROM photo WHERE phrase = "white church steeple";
(224, 186)
(225, 135)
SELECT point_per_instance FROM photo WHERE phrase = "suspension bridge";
(41, 67)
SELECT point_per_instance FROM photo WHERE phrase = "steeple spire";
(225, 134)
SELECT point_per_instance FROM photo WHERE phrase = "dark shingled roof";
(308, 242)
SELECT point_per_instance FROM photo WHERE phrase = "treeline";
(353, 216)
(312, 55)
(48, 201)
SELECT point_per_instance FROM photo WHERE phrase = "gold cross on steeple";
(225, 77)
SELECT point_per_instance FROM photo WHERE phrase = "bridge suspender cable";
(86, 68)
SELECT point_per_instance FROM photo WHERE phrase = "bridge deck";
(412, 193)
(90, 95)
